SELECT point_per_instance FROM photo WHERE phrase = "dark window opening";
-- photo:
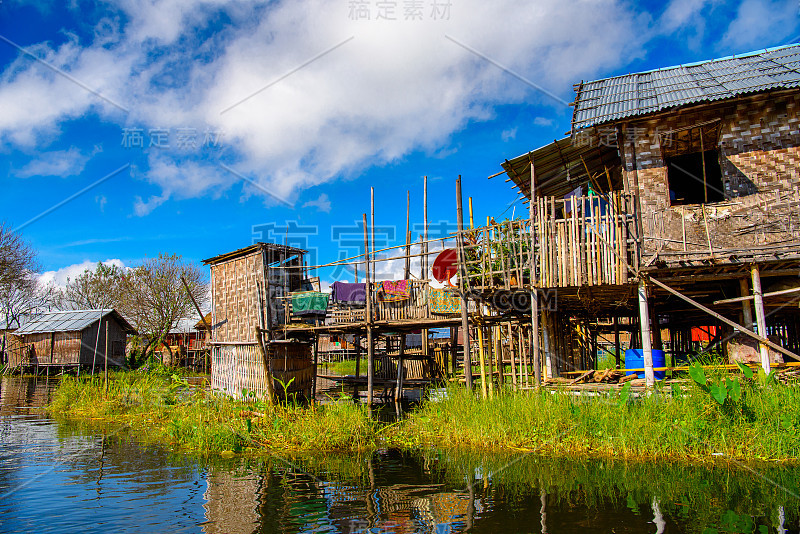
(685, 177)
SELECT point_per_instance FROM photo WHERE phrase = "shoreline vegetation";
(760, 423)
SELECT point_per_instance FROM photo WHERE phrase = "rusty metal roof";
(621, 97)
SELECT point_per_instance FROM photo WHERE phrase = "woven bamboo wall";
(66, 347)
(239, 367)
(234, 292)
(759, 147)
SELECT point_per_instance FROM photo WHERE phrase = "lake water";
(55, 477)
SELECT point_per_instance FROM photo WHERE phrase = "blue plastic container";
(634, 359)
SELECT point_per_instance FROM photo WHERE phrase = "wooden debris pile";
(602, 376)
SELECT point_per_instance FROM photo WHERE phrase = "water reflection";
(64, 477)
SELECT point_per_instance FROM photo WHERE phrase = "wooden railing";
(570, 242)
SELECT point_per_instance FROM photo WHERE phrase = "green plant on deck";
(285, 386)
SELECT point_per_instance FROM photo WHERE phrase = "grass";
(344, 368)
(167, 409)
(763, 424)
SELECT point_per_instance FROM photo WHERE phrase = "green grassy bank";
(760, 422)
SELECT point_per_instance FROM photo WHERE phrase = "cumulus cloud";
(543, 121)
(61, 163)
(322, 96)
(60, 277)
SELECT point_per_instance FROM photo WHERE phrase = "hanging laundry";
(393, 291)
(347, 293)
(443, 301)
(309, 303)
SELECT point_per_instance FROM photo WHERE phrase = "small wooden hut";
(80, 339)
(250, 290)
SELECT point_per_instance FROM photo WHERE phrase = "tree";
(20, 292)
(95, 290)
(154, 298)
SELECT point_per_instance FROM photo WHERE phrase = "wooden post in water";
(106, 362)
(368, 318)
(357, 339)
(647, 348)
(453, 349)
(761, 319)
(463, 282)
(268, 384)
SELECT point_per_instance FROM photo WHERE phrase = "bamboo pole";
(463, 283)
(316, 363)
(761, 320)
(424, 247)
(96, 343)
(407, 271)
(368, 318)
(484, 389)
(372, 222)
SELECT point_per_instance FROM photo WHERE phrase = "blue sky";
(258, 114)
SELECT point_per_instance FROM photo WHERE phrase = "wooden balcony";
(416, 308)
(569, 242)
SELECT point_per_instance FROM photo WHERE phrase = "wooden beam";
(727, 321)
(752, 297)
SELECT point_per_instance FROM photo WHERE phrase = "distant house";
(68, 339)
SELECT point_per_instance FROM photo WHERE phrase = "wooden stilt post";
(106, 360)
(747, 309)
(462, 268)
(550, 364)
(482, 361)
(357, 339)
(616, 342)
(498, 350)
(268, 384)
(316, 363)
(761, 321)
(453, 349)
(368, 317)
(398, 390)
(647, 348)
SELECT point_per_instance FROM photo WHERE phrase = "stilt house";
(72, 339)
(250, 290)
(676, 187)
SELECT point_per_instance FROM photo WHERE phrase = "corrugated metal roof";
(68, 321)
(620, 97)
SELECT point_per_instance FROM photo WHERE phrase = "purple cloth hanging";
(349, 293)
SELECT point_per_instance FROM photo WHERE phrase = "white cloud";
(761, 21)
(509, 134)
(396, 87)
(181, 179)
(61, 163)
(60, 277)
(543, 121)
(322, 203)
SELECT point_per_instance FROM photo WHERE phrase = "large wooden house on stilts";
(676, 192)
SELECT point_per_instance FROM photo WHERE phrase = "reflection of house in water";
(231, 505)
